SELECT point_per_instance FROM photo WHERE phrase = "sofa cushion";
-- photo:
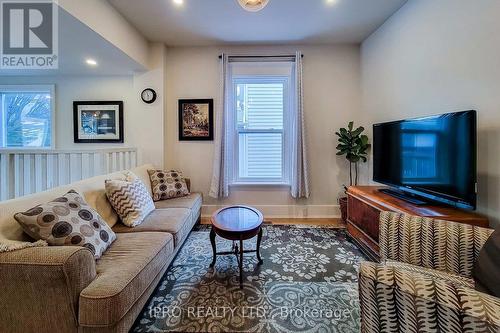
(68, 220)
(176, 221)
(142, 173)
(192, 201)
(394, 299)
(124, 272)
(167, 184)
(432, 273)
(130, 199)
(486, 270)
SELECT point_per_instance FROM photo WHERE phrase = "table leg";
(214, 248)
(259, 240)
(241, 263)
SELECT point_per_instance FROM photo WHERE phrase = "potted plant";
(354, 145)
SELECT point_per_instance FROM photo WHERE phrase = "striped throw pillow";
(130, 199)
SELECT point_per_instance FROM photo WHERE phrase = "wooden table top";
(237, 219)
(383, 201)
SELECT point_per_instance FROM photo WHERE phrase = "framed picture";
(98, 122)
(196, 119)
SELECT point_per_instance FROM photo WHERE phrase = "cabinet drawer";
(364, 216)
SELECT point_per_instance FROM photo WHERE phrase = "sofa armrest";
(41, 287)
(443, 245)
(397, 300)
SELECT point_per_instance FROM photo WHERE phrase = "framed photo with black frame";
(196, 120)
(98, 121)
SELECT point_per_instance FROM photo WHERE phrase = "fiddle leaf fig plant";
(354, 145)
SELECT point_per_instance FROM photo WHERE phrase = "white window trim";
(35, 88)
(286, 148)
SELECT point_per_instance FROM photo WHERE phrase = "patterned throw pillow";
(167, 184)
(68, 220)
(130, 199)
(487, 266)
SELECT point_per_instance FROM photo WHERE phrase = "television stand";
(403, 196)
(364, 204)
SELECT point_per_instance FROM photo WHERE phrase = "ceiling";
(77, 42)
(214, 22)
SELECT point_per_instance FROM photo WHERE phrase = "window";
(260, 102)
(26, 116)
(261, 126)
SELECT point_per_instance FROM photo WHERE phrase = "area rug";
(307, 283)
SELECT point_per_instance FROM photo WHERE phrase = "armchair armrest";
(397, 300)
(442, 245)
(41, 287)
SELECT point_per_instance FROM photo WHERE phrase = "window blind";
(260, 129)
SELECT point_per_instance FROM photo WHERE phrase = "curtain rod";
(259, 56)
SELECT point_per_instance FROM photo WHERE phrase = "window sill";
(26, 148)
(256, 184)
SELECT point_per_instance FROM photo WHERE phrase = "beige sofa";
(63, 289)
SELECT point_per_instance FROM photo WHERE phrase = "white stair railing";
(24, 172)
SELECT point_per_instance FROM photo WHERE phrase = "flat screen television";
(428, 159)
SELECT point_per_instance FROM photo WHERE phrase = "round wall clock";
(148, 95)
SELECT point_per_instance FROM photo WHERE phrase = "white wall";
(101, 17)
(435, 56)
(143, 123)
(147, 124)
(76, 88)
(332, 98)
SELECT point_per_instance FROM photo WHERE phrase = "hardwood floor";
(333, 223)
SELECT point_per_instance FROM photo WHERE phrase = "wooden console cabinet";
(366, 202)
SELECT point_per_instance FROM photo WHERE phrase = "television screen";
(432, 157)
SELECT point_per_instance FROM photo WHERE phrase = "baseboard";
(286, 211)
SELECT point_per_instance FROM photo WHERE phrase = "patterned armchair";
(424, 282)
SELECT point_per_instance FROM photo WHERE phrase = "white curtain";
(219, 187)
(300, 170)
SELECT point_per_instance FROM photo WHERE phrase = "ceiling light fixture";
(91, 62)
(253, 5)
(179, 2)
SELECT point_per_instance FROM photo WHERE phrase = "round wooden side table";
(237, 223)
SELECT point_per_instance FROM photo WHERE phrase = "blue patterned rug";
(308, 283)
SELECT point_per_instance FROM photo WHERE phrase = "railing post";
(98, 161)
(51, 171)
(86, 171)
(27, 178)
(61, 169)
(17, 176)
(38, 173)
(134, 159)
(4, 176)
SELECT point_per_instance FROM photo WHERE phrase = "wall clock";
(148, 96)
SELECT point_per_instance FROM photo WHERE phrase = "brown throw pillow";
(167, 184)
(68, 220)
(486, 270)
